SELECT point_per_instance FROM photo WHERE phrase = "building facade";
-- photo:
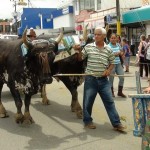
(5, 27)
(101, 12)
(75, 14)
(37, 18)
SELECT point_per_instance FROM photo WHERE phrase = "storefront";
(137, 23)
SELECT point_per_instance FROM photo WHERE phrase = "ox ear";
(85, 37)
(59, 38)
(24, 38)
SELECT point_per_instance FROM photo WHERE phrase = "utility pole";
(118, 17)
(15, 14)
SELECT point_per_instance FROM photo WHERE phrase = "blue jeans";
(101, 85)
(118, 69)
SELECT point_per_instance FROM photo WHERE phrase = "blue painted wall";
(30, 18)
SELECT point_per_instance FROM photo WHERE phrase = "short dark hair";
(124, 40)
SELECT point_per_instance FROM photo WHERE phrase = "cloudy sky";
(7, 8)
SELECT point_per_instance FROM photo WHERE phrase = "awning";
(136, 15)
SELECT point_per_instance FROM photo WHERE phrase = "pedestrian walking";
(141, 56)
(100, 59)
(127, 53)
(118, 68)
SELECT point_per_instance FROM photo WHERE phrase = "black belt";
(98, 77)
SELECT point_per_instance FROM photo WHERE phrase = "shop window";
(98, 4)
(81, 4)
(92, 5)
(1, 28)
(7, 28)
(87, 4)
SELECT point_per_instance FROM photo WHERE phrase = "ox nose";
(47, 79)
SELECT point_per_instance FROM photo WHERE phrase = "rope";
(96, 74)
(43, 57)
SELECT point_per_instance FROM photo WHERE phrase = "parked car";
(9, 36)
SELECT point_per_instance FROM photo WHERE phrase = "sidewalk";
(132, 60)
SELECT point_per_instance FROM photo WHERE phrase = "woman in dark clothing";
(142, 61)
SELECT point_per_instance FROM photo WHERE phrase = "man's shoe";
(90, 126)
(120, 128)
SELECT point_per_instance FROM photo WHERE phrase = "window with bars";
(98, 4)
(87, 4)
(1, 28)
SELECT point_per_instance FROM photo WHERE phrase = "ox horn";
(60, 35)
(85, 33)
(24, 38)
(107, 27)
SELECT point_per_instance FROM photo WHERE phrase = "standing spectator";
(118, 69)
(141, 53)
(126, 50)
(100, 59)
(119, 44)
(118, 39)
(147, 56)
(149, 37)
(132, 47)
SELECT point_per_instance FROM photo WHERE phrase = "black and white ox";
(25, 73)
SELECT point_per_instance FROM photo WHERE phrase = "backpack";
(147, 51)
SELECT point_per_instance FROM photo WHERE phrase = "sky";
(7, 8)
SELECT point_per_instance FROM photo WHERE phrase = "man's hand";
(77, 47)
(106, 72)
(121, 53)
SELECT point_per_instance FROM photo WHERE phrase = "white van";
(9, 36)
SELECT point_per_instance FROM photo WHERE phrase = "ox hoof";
(5, 115)
(28, 121)
(27, 118)
(19, 118)
(3, 112)
(46, 102)
(72, 109)
(79, 114)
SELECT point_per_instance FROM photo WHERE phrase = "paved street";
(57, 128)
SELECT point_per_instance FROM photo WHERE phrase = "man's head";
(124, 41)
(32, 34)
(99, 34)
